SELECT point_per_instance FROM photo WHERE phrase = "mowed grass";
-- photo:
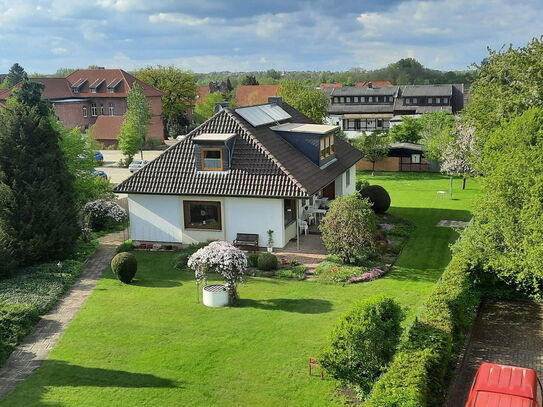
(151, 344)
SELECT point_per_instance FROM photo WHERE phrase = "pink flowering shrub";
(222, 258)
(387, 226)
(373, 274)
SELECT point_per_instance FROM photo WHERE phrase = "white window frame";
(415, 158)
(94, 110)
(85, 112)
(93, 90)
(111, 109)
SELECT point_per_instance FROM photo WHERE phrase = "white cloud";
(178, 19)
(59, 51)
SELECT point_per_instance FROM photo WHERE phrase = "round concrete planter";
(215, 295)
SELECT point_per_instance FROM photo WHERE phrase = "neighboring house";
(86, 96)
(401, 157)
(367, 108)
(245, 170)
(247, 95)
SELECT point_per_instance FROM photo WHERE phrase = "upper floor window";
(85, 111)
(342, 100)
(415, 101)
(94, 110)
(430, 101)
(327, 146)
(110, 90)
(363, 99)
(75, 89)
(407, 101)
(212, 159)
(336, 100)
(111, 109)
(390, 98)
(445, 101)
(93, 90)
(370, 99)
(438, 101)
(348, 100)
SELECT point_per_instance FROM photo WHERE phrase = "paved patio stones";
(34, 349)
(447, 223)
(505, 332)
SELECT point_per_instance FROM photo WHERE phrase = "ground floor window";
(415, 158)
(289, 210)
(202, 215)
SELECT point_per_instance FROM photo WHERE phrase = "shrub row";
(417, 375)
(363, 342)
(33, 291)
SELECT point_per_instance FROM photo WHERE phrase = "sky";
(253, 35)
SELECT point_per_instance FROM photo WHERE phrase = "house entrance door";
(329, 191)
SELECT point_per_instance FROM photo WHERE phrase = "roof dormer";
(77, 85)
(112, 86)
(315, 141)
(213, 151)
(96, 85)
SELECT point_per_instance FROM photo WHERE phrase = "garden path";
(30, 353)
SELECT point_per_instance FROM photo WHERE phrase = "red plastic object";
(505, 386)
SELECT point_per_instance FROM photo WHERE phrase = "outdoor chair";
(303, 226)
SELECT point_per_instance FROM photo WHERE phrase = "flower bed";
(373, 274)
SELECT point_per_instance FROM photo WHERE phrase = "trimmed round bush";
(124, 265)
(267, 262)
(252, 260)
(378, 196)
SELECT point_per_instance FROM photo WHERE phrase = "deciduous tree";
(206, 109)
(136, 123)
(406, 132)
(436, 133)
(375, 146)
(311, 102)
(180, 93)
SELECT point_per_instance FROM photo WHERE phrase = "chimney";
(275, 99)
(220, 105)
(370, 85)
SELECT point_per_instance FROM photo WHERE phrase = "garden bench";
(247, 240)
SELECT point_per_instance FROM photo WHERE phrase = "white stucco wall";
(155, 218)
(255, 215)
(341, 183)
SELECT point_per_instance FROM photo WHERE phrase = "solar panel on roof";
(264, 114)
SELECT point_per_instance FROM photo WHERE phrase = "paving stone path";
(506, 332)
(30, 354)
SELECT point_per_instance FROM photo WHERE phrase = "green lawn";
(151, 344)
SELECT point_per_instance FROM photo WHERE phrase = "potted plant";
(270, 241)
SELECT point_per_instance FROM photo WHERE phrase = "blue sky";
(236, 35)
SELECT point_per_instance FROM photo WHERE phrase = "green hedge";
(33, 291)
(418, 373)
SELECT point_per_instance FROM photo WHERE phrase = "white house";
(245, 170)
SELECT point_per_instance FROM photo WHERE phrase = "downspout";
(297, 228)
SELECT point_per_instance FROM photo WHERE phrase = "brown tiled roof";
(263, 164)
(109, 75)
(201, 93)
(61, 88)
(373, 83)
(247, 95)
(331, 85)
(107, 127)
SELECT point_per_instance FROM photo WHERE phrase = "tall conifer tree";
(39, 217)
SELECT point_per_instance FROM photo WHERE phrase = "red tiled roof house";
(98, 97)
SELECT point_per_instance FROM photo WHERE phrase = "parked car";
(137, 165)
(500, 385)
(98, 156)
(99, 173)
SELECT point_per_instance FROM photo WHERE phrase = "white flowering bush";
(103, 214)
(222, 258)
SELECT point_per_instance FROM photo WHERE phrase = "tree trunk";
(463, 182)
(373, 169)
